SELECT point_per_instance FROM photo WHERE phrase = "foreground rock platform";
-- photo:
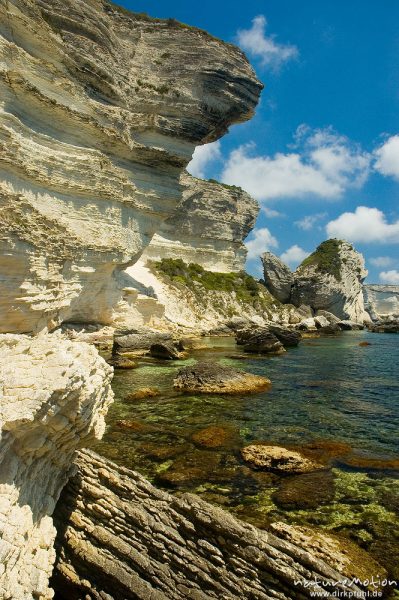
(120, 537)
(54, 394)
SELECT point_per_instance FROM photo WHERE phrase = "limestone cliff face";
(208, 226)
(331, 279)
(100, 112)
(54, 394)
(381, 300)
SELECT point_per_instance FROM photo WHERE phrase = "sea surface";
(328, 389)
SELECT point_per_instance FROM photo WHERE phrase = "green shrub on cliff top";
(326, 258)
(246, 288)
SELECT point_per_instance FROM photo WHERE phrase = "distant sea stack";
(330, 279)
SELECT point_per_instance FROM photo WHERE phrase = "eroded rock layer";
(208, 228)
(54, 395)
(100, 112)
(119, 537)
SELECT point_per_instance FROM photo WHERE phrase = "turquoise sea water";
(327, 389)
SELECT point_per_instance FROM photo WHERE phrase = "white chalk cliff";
(100, 112)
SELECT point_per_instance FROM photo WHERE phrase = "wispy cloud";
(271, 213)
(260, 241)
(381, 261)
(262, 46)
(364, 225)
(309, 221)
(324, 165)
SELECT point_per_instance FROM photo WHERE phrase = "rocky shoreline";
(102, 112)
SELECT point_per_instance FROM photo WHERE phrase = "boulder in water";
(213, 378)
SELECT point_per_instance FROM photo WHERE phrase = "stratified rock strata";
(54, 395)
(100, 113)
(119, 537)
(207, 228)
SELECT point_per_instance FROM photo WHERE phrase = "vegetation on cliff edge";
(245, 287)
(326, 258)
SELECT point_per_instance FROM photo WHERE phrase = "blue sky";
(322, 153)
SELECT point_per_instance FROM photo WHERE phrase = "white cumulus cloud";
(387, 156)
(390, 277)
(325, 166)
(294, 255)
(381, 261)
(261, 241)
(203, 156)
(364, 225)
(258, 44)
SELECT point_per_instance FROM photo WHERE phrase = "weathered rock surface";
(139, 340)
(288, 337)
(279, 459)
(277, 276)
(390, 325)
(89, 88)
(259, 341)
(54, 394)
(381, 300)
(213, 378)
(119, 537)
(207, 228)
(331, 279)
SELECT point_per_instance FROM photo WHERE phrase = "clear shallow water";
(327, 388)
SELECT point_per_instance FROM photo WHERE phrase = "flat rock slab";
(119, 537)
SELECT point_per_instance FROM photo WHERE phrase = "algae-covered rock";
(213, 378)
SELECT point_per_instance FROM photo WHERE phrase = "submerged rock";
(119, 537)
(306, 491)
(213, 378)
(215, 436)
(143, 393)
(278, 459)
